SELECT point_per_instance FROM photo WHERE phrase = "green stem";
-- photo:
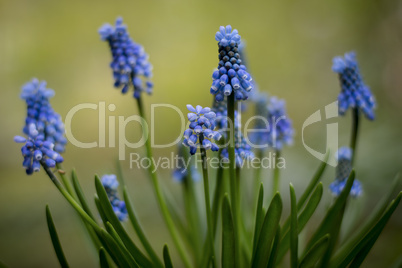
(355, 132)
(69, 198)
(158, 192)
(276, 178)
(65, 181)
(207, 199)
(218, 194)
(232, 174)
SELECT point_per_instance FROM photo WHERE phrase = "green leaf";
(228, 239)
(166, 257)
(103, 259)
(315, 253)
(268, 232)
(259, 217)
(55, 239)
(121, 246)
(293, 228)
(113, 249)
(308, 190)
(354, 239)
(330, 220)
(138, 229)
(106, 207)
(302, 220)
(80, 194)
(360, 251)
(275, 247)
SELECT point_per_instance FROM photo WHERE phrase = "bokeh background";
(290, 46)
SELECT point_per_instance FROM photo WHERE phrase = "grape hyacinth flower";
(343, 170)
(242, 150)
(221, 120)
(130, 63)
(231, 75)
(110, 183)
(280, 130)
(354, 93)
(37, 150)
(201, 131)
(47, 122)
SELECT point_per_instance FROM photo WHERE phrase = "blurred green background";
(290, 46)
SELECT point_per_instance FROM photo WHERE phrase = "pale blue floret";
(110, 183)
(354, 92)
(130, 63)
(201, 129)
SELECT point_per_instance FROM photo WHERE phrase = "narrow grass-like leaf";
(360, 251)
(103, 259)
(259, 217)
(228, 239)
(368, 224)
(114, 250)
(315, 253)
(138, 229)
(80, 194)
(55, 239)
(166, 257)
(139, 257)
(275, 246)
(293, 228)
(268, 232)
(121, 246)
(302, 220)
(329, 221)
(314, 180)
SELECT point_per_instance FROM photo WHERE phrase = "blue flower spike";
(40, 113)
(37, 150)
(280, 126)
(354, 92)
(201, 130)
(343, 170)
(231, 76)
(130, 63)
(110, 183)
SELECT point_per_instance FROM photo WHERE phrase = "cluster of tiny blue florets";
(37, 150)
(231, 75)
(201, 129)
(130, 61)
(354, 93)
(242, 148)
(280, 130)
(47, 122)
(111, 184)
(343, 170)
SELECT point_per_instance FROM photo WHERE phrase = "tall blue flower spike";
(343, 170)
(201, 130)
(110, 183)
(231, 75)
(180, 172)
(40, 113)
(280, 130)
(36, 150)
(354, 93)
(130, 63)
